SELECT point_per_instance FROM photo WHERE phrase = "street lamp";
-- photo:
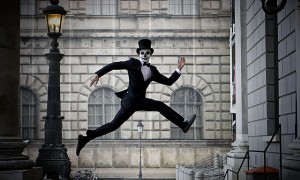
(140, 127)
(53, 157)
(270, 6)
(54, 15)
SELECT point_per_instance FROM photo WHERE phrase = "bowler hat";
(144, 44)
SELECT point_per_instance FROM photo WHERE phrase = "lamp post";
(53, 157)
(140, 127)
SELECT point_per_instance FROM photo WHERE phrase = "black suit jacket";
(137, 86)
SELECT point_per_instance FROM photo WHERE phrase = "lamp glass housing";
(54, 23)
(140, 127)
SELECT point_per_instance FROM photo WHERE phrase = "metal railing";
(247, 156)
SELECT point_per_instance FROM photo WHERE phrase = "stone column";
(291, 163)
(240, 145)
(13, 165)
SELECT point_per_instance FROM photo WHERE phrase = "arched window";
(29, 113)
(187, 101)
(102, 107)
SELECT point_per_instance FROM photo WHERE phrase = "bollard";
(216, 161)
(190, 174)
(224, 160)
(185, 173)
(181, 172)
(199, 175)
(177, 172)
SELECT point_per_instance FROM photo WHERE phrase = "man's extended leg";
(122, 115)
(167, 112)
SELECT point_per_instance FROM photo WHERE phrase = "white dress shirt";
(147, 72)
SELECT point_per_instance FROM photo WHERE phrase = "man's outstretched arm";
(169, 81)
(108, 68)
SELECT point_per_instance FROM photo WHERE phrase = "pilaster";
(240, 145)
(13, 164)
(291, 163)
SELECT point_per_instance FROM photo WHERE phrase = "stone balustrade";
(202, 170)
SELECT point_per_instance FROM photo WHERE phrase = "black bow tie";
(146, 64)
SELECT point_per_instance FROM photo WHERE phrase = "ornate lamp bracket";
(270, 6)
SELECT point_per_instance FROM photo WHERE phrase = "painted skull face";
(145, 55)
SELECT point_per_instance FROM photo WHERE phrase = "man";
(140, 73)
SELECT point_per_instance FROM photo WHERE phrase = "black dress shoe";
(90, 133)
(189, 123)
(82, 140)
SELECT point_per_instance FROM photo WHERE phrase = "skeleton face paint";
(145, 55)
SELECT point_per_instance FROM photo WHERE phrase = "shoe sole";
(187, 128)
(79, 141)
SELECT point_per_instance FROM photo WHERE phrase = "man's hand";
(94, 80)
(181, 62)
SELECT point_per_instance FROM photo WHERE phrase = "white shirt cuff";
(178, 71)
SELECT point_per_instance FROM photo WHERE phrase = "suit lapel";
(152, 72)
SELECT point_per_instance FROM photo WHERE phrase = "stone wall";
(287, 73)
(90, 42)
(263, 31)
(103, 156)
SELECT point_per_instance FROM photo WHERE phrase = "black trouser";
(137, 105)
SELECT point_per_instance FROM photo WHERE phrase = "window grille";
(103, 105)
(184, 7)
(101, 7)
(28, 7)
(28, 111)
(187, 101)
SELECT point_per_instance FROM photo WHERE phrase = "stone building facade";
(264, 58)
(98, 32)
